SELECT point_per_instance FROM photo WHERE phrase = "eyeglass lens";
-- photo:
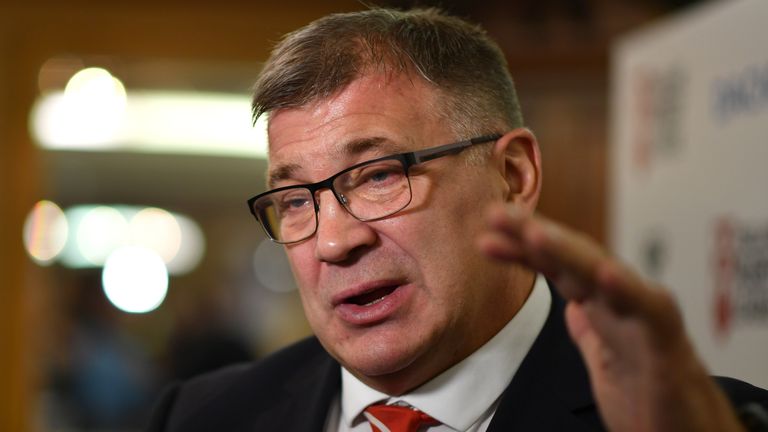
(368, 192)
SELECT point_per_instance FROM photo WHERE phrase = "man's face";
(397, 300)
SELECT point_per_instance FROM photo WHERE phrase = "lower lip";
(362, 315)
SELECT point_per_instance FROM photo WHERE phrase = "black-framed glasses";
(369, 191)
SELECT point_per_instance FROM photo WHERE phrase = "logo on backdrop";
(654, 254)
(657, 112)
(740, 93)
(740, 274)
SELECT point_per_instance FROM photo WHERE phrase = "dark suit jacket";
(291, 391)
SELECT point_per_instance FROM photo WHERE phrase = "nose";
(339, 233)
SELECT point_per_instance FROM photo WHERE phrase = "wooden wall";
(30, 33)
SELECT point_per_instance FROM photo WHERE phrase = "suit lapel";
(302, 403)
(316, 401)
(550, 391)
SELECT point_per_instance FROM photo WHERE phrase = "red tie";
(399, 418)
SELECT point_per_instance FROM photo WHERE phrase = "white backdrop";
(689, 170)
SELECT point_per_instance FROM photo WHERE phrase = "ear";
(517, 157)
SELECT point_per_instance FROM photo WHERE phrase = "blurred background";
(91, 208)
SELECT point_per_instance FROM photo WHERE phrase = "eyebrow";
(349, 149)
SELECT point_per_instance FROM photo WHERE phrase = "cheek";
(304, 268)
(435, 248)
(312, 302)
(441, 239)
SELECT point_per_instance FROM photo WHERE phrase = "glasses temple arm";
(434, 153)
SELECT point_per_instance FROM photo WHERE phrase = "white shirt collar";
(459, 396)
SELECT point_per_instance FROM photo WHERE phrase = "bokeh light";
(272, 269)
(90, 112)
(56, 72)
(70, 256)
(101, 230)
(192, 247)
(45, 232)
(96, 231)
(99, 101)
(135, 279)
(147, 121)
(158, 230)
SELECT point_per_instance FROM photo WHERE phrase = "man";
(403, 185)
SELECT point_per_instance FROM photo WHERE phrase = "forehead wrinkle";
(346, 150)
(361, 145)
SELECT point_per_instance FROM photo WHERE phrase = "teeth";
(372, 297)
(375, 301)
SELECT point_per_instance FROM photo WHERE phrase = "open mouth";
(373, 302)
(372, 297)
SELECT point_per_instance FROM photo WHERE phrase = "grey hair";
(458, 59)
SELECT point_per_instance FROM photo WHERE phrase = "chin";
(388, 368)
(379, 366)
(381, 353)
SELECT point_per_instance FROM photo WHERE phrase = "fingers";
(568, 258)
(581, 269)
(629, 294)
(581, 331)
(514, 236)
(596, 347)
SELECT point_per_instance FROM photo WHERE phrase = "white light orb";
(97, 102)
(192, 247)
(45, 232)
(89, 114)
(158, 230)
(135, 279)
(101, 230)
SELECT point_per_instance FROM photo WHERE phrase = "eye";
(292, 202)
(378, 175)
(296, 203)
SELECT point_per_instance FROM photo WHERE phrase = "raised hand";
(644, 371)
